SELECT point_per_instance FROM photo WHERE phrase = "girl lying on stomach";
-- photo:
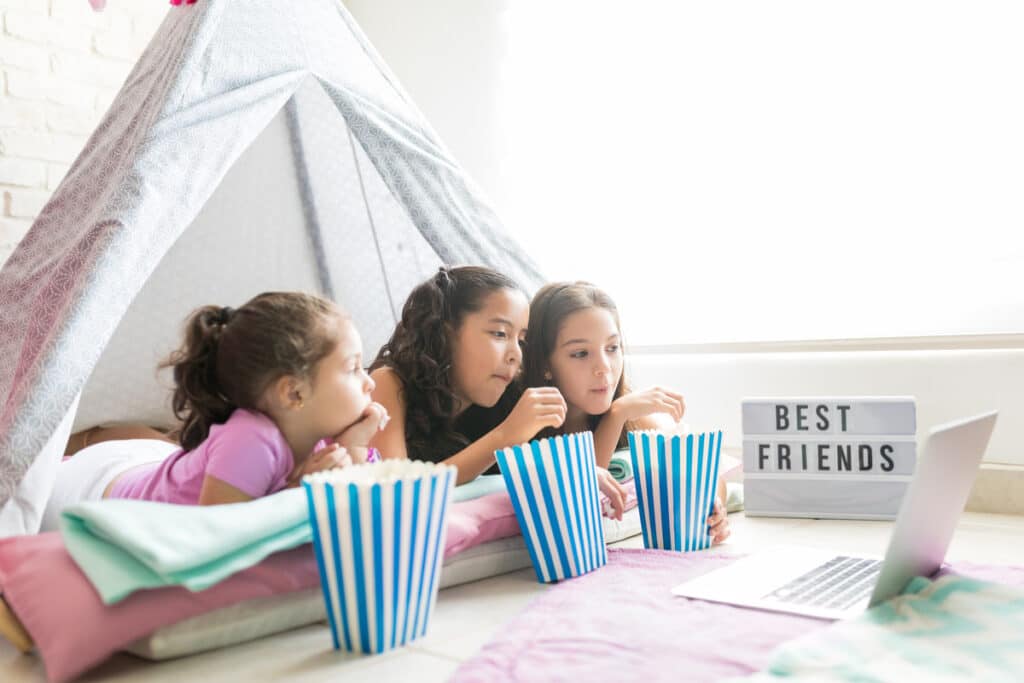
(265, 394)
(574, 344)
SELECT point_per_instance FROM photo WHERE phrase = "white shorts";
(86, 475)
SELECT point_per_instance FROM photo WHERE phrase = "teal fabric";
(126, 545)
(621, 466)
(951, 629)
(483, 485)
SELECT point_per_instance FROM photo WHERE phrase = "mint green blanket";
(621, 466)
(127, 545)
(951, 629)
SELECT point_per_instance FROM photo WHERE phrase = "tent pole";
(313, 226)
(373, 225)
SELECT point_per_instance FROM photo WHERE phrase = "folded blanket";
(621, 466)
(951, 629)
(124, 546)
(43, 585)
(127, 545)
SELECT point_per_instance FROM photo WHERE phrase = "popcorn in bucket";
(379, 535)
(676, 480)
(553, 486)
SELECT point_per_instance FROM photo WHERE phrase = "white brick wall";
(61, 64)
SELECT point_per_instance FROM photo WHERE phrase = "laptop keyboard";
(838, 584)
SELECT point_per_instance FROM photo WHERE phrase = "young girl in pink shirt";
(265, 394)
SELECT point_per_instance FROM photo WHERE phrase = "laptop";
(830, 585)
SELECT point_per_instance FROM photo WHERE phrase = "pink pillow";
(73, 630)
(480, 520)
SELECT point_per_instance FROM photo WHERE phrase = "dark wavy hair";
(420, 353)
(551, 305)
(229, 357)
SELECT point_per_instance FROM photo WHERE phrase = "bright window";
(753, 171)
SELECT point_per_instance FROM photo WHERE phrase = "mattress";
(265, 616)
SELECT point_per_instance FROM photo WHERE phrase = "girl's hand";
(538, 407)
(718, 523)
(358, 434)
(616, 494)
(327, 458)
(639, 404)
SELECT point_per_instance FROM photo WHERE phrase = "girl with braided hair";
(265, 394)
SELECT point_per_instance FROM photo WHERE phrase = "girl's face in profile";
(486, 350)
(340, 389)
(586, 363)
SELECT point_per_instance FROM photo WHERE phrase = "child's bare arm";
(390, 441)
(609, 430)
(332, 456)
(537, 408)
(718, 521)
(606, 436)
(356, 439)
(474, 459)
(655, 408)
(217, 492)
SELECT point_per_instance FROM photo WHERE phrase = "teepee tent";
(257, 145)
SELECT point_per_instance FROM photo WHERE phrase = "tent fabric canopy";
(254, 147)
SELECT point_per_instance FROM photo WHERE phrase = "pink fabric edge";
(73, 630)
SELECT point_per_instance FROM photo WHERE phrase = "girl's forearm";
(477, 457)
(606, 437)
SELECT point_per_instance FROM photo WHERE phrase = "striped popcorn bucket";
(379, 535)
(676, 480)
(553, 486)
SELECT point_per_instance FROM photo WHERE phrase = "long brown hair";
(420, 353)
(551, 305)
(230, 356)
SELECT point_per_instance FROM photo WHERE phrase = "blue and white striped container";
(553, 486)
(676, 481)
(379, 534)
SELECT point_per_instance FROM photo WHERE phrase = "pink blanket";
(73, 630)
(622, 623)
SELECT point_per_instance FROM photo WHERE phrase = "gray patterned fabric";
(256, 145)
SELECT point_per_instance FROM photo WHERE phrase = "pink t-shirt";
(247, 452)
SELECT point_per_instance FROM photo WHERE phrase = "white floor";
(468, 616)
